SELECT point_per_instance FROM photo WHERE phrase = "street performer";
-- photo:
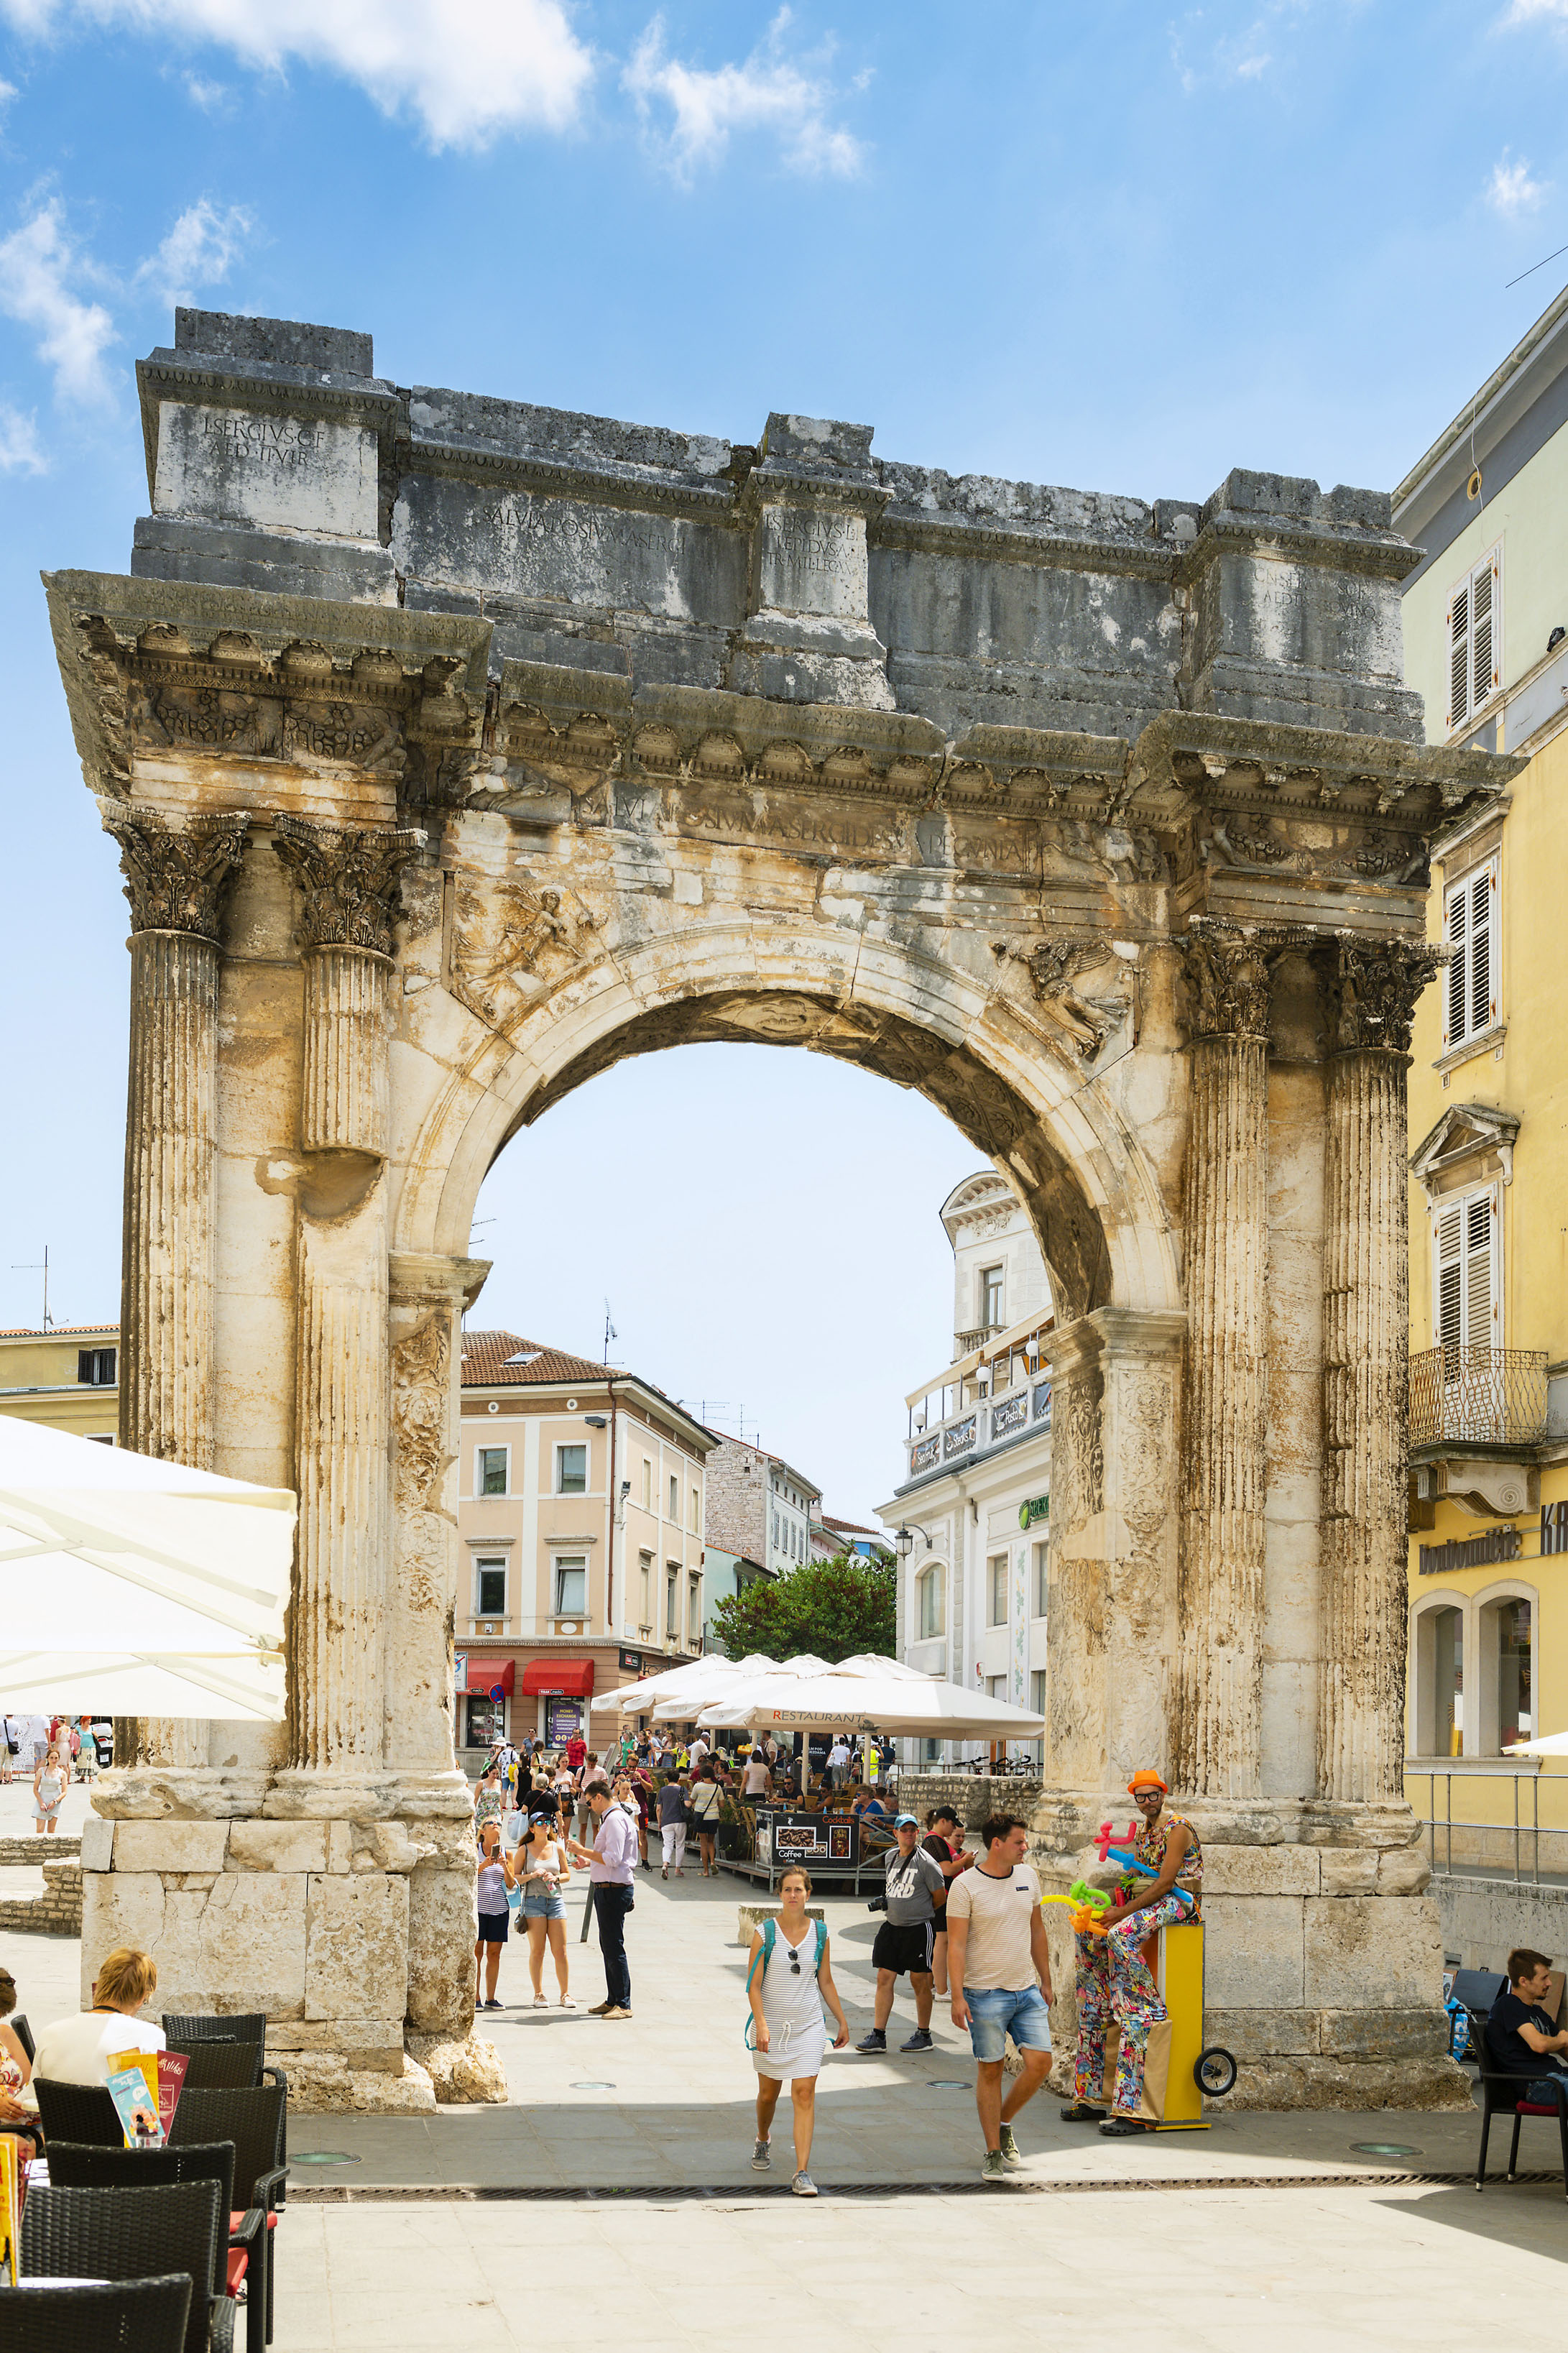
(1113, 1978)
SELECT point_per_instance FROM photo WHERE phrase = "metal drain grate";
(325, 2193)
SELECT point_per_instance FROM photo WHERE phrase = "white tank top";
(791, 2004)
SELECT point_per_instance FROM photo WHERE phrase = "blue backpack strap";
(821, 1944)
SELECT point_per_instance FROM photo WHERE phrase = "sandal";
(1080, 2113)
(1124, 2128)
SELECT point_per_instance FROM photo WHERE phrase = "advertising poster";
(563, 1720)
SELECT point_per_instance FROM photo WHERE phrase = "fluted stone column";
(349, 881)
(1371, 991)
(1220, 1668)
(176, 880)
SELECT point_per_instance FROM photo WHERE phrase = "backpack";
(770, 1938)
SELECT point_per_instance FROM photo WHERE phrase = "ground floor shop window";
(486, 1721)
(1440, 1683)
(1515, 1707)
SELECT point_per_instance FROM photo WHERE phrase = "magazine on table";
(145, 2088)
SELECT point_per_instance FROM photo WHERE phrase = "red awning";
(572, 1678)
(485, 1674)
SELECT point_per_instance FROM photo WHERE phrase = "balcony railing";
(1477, 1397)
(981, 1425)
(965, 1343)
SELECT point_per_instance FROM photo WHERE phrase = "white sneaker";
(761, 2160)
(804, 2186)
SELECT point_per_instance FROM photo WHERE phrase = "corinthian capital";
(1230, 976)
(350, 877)
(176, 877)
(1371, 988)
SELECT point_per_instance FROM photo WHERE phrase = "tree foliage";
(834, 1607)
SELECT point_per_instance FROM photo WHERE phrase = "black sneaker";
(919, 2041)
(875, 2041)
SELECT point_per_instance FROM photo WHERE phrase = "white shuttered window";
(1466, 1270)
(1475, 640)
(1470, 926)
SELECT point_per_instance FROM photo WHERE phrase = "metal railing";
(965, 1343)
(1478, 1397)
(1509, 1847)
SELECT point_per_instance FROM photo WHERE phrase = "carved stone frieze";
(176, 877)
(1228, 971)
(503, 935)
(1054, 968)
(421, 1412)
(349, 879)
(1370, 989)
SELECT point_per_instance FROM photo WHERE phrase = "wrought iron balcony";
(1477, 1397)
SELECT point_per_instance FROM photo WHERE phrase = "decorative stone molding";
(1466, 1134)
(177, 877)
(1229, 972)
(1370, 989)
(349, 879)
(1054, 968)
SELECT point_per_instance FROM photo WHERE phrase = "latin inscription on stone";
(813, 563)
(271, 472)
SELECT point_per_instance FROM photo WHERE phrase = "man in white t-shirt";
(697, 1751)
(999, 1973)
(838, 1761)
(38, 1739)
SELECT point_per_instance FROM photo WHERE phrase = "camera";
(877, 1903)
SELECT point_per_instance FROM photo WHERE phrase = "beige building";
(581, 1502)
(68, 1377)
(975, 1508)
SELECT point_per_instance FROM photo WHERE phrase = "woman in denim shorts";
(542, 1870)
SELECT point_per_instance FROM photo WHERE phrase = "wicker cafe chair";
(144, 2316)
(1503, 2094)
(78, 2112)
(184, 2028)
(218, 2066)
(126, 2234)
(253, 2120)
(239, 2255)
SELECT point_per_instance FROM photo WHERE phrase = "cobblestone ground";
(627, 2215)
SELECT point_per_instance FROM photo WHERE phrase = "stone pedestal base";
(354, 1933)
(1323, 1959)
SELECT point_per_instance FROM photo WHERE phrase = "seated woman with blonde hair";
(77, 2050)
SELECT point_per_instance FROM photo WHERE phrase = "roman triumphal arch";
(455, 749)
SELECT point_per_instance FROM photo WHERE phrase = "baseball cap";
(907, 1822)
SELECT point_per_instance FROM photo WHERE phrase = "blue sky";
(1123, 247)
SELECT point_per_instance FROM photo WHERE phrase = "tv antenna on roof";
(38, 1267)
(610, 1331)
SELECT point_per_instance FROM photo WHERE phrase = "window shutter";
(1481, 956)
(1460, 657)
(1457, 998)
(1483, 681)
(1448, 1295)
(1480, 1291)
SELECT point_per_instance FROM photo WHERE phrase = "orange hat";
(1146, 1779)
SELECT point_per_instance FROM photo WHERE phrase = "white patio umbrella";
(1555, 1744)
(131, 1587)
(866, 1695)
(694, 1679)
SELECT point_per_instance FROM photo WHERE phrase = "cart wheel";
(1214, 2072)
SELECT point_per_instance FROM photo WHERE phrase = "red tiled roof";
(850, 1528)
(489, 1361)
(54, 1331)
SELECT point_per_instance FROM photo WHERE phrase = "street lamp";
(905, 1540)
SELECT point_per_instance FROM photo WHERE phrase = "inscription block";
(299, 474)
(813, 561)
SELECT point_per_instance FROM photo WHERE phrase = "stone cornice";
(1335, 548)
(778, 482)
(908, 531)
(604, 484)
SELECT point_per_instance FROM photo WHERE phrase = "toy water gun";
(1126, 1861)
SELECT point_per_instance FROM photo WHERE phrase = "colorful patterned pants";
(1113, 1981)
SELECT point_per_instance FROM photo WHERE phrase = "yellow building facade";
(1486, 633)
(68, 1377)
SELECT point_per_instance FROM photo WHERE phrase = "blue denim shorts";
(995, 2012)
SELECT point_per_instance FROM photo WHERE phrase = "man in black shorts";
(905, 1939)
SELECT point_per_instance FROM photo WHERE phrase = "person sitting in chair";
(1520, 2036)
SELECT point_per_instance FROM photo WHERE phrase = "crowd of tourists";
(51, 1751)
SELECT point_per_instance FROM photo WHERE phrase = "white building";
(977, 1503)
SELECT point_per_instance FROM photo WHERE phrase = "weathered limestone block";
(443, 1921)
(463, 2069)
(1361, 1949)
(360, 2042)
(1259, 1870)
(150, 1793)
(278, 1846)
(1381, 2034)
(119, 1907)
(1253, 1951)
(236, 1945)
(387, 1846)
(1251, 2035)
(356, 1947)
(97, 1843)
(1349, 1871)
(294, 473)
(1402, 1871)
(1325, 2082)
(169, 1846)
(328, 2086)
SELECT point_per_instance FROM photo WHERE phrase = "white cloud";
(1527, 12)
(209, 95)
(19, 449)
(792, 97)
(1250, 68)
(1510, 190)
(7, 92)
(36, 261)
(197, 251)
(467, 69)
